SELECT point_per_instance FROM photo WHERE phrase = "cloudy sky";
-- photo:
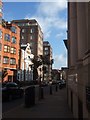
(52, 17)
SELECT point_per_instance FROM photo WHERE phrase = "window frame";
(7, 49)
(7, 37)
(13, 50)
(5, 60)
(0, 47)
(1, 34)
(14, 39)
(14, 29)
(12, 61)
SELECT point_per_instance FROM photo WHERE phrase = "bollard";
(56, 88)
(50, 89)
(30, 96)
(60, 86)
(42, 95)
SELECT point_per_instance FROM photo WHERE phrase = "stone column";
(72, 33)
(81, 29)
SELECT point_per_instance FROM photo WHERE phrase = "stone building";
(79, 59)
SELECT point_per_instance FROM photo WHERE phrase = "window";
(0, 58)
(31, 44)
(0, 34)
(0, 9)
(22, 37)
(0, 46)
(7, 37)
(46, 52)
(46, 48)
(6, 48)
(23, 30)
(13, 39)
(22, 24)
(0, 20)
(32, 30)
(12, 61)
(13, 50)
(6, 60)
(30, 37)
(14, 29)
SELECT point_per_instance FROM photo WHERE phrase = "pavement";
(52, 106)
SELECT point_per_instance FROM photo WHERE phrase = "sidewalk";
(52, 106)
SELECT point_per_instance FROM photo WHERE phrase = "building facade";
(9, 49)
(56, 74)
(1, 6)
(79, 59)
(31, 33)
(26, 72)
(1, 11)
(47, 54)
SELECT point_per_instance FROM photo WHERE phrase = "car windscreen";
(11, 85)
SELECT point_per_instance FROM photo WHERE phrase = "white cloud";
(60, 23)
(51, 9)
(60, 60)
(60, 35)
(48, 16)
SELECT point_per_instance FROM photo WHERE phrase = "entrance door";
(71, 101)
(10, 78)
(80, 109)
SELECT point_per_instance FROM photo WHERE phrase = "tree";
(37, 62)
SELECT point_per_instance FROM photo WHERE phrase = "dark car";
(62, 84)
(11, 91)
(44, 83)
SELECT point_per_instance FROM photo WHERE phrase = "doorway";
(80, 109)
(71, 102)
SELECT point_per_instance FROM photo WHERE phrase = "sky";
(51, 16)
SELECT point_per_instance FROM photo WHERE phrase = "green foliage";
(37, 62)
(45, 69)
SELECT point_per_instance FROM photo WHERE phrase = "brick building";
(9, 49)
(47, 53)
(1, 6)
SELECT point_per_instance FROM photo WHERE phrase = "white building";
(26, 72)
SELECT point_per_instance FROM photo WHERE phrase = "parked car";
(44, 83)
(62, 84)
(54, 82)
(11, 91)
